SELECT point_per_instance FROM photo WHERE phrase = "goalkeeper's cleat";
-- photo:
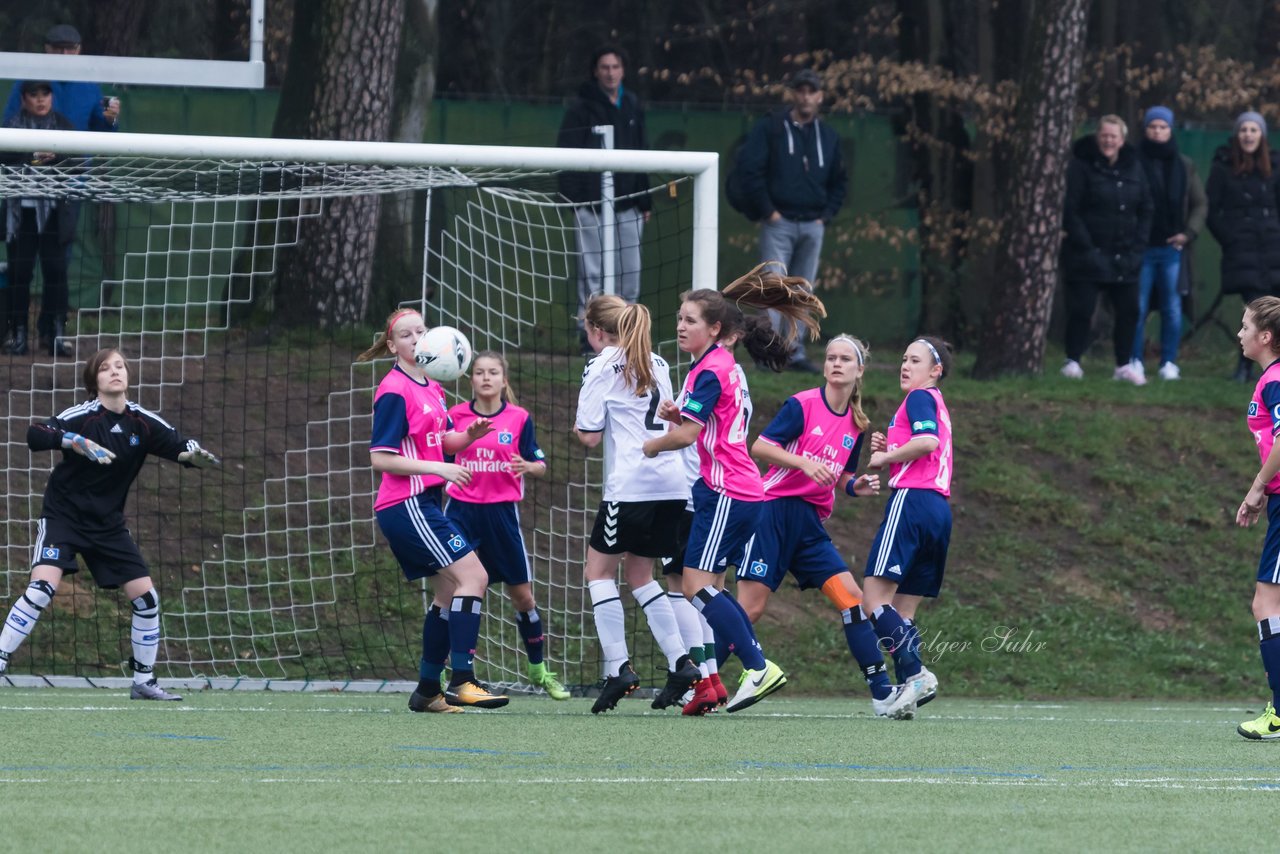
(1265, 727)
(541, 677)
(722, 693)
(679, 681)
(928, 689)
(151, 691)
(472, 693)
(435, 703)
(615, 688)
(900, 705)
(703, 702)
(755, 685)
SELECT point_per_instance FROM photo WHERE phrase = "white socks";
(611, 628)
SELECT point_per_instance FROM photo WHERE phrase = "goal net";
(271, 568)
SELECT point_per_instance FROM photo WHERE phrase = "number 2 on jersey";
(651, 421)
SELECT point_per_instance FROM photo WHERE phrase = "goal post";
(271, 569)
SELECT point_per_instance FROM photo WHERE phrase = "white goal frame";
(145, 70)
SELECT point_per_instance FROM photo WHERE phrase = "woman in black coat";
(1244, 215)
(1107, 219)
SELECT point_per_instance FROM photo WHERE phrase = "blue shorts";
(494, 532)
(720, 530)
(790, 538)
(421, 537)
(911, 545)
(1269, 563)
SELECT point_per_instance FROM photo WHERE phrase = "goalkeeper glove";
(197, 456)
(87, 448)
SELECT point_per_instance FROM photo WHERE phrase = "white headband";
(936, 358)
(852, 343)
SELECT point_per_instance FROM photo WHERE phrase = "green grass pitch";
(240, 771)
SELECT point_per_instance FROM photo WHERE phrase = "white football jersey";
(605, 403)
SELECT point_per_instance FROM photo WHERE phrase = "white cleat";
(900, 705)
(928, 688)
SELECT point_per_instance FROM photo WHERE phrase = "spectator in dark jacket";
(1107, 218)
(1244, 215)
(792, 170)
(37, 226)
(602, 101)
(1178, 206)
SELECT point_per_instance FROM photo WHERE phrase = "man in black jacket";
(603, 102)
(792, 170)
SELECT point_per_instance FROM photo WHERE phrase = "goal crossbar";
(702, 166)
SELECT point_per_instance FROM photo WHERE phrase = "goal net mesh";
(271, 567)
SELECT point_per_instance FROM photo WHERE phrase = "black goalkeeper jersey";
(88, 494)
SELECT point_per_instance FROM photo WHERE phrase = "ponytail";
(631, 326)
(633, 337)
(765, 288)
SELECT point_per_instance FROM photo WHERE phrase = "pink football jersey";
(413, 428)
(721, 403)
(932, 471)
(489, 457)
(826, 436)
(1264, 417)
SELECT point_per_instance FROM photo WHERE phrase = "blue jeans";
(796, 246)
(1160, 268)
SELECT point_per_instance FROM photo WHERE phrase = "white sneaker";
(1169, 371)
(900, 705)
(1072, 370)
(1128, 373)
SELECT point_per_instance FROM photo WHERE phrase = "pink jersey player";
(713, 413)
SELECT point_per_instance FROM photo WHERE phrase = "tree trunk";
(398, 269)
(345, 80)
(1017, 320)
(114, 29)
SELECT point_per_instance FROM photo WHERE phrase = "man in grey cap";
(792, 171)
(81, 102)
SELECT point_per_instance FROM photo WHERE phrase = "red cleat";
(722, 693)
(704, 700)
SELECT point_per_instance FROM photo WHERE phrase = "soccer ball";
(444, 353)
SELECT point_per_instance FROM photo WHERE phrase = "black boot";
(19, 345)
(58, 343)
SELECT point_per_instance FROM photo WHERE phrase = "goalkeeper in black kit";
(104, 442)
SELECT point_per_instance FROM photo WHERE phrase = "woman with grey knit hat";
(1244, 214)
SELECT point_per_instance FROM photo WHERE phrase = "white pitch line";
(1218, 784)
